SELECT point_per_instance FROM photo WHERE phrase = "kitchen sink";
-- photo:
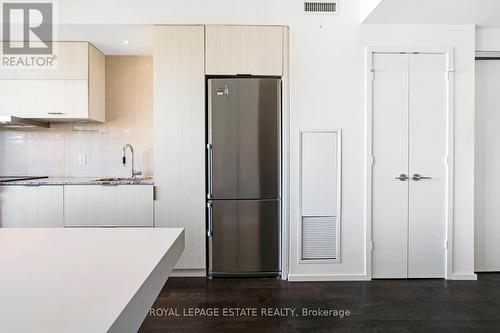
(114, 179)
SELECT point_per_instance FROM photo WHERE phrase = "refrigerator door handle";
(210, 155)
(210, 224)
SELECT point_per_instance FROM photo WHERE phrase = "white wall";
(330, 94)
(328, 91)
(488, 40)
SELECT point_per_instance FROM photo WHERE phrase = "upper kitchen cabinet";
(255, 50)
(72, 88)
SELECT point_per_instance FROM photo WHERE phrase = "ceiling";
(102, 21)
(484, 13)
(171, 11)
(111, 39)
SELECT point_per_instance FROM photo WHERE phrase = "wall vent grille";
(319, 238)
(320, 7)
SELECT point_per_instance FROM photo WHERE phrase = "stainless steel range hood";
(15, 122)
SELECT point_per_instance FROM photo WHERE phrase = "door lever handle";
(416, 177)
(402, 177)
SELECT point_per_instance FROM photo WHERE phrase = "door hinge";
(371, 160)
(448, 73)
(446, 245)
(155, 192)
(372, 74)
(372, 243)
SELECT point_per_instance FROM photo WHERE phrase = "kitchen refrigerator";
(243, 176)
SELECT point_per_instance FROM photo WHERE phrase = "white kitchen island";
(83, 280)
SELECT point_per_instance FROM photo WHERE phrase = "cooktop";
(4, 179)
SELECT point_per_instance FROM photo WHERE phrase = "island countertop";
(79, 181)
(83, 280)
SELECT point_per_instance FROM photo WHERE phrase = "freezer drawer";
(245, 237)
(244, 136)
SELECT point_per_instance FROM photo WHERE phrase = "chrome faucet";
(135, 173)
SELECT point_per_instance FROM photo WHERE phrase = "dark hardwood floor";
(376, 306)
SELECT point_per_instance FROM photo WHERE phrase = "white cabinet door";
(409, 139)
(487, 212)
(108, 206)
(73, 89)
(256, 50)
(319, 173)
(320, 193)
(46, 99)
(31, 206)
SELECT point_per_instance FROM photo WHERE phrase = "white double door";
(409, 171)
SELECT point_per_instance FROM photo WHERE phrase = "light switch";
(82, 159)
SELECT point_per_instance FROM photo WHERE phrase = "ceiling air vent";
(320, 7)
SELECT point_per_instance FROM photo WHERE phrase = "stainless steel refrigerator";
(243, 176)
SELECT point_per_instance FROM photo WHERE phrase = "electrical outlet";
(82, 159)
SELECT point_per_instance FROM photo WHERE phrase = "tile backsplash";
(129, 119)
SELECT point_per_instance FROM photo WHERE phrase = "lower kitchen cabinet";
(108, 206)
(31, 206)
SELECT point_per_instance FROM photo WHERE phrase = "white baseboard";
(363, 277)
(332, 277)
(463, 276)
(188, 273)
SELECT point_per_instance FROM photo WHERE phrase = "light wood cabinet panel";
(179, 144)
(256, 50)
(71, 62)
(74, 89)
(96, 85)
(31, 206)
(108, 206)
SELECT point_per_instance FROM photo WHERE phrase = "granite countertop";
(81, 181)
